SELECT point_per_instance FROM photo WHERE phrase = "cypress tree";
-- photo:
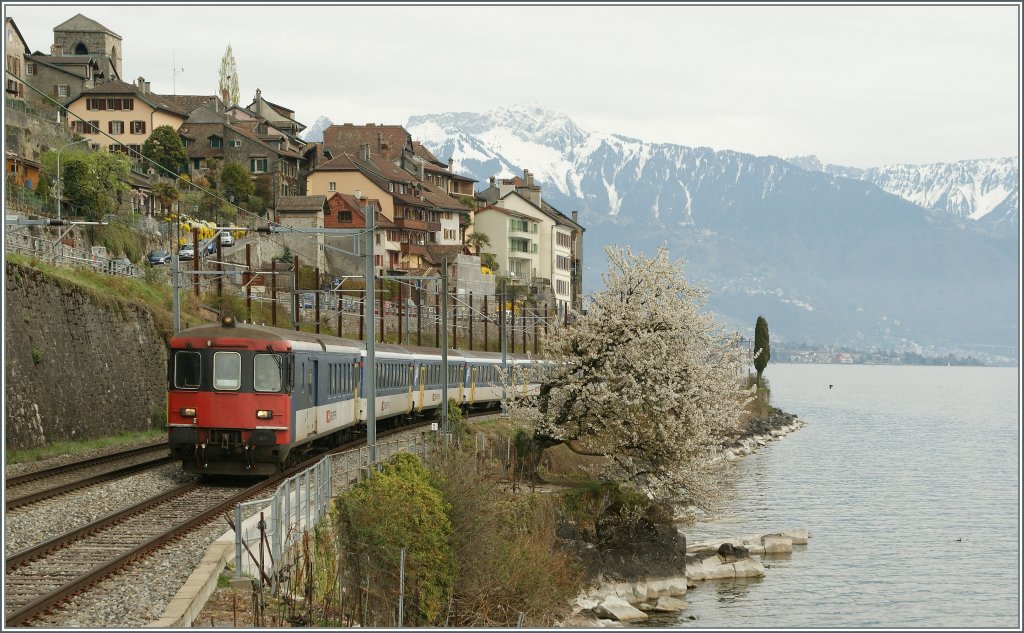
(762, 349)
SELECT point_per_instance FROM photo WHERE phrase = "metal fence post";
(238, 540)
(401, 588)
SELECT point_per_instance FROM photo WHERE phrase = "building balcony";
(414, 249)
(417, 225)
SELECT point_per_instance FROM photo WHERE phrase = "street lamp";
(60, 188)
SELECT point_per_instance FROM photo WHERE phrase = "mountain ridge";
(828, 238)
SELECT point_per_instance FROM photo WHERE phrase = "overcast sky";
(861, 86)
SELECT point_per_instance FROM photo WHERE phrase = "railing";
(300, 502)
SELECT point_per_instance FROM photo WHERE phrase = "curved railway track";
(40, 578)
(43, 484)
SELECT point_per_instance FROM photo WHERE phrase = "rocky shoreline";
(654, 578)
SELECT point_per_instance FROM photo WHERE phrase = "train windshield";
(227, 371)
(267, 372)
(186, 370)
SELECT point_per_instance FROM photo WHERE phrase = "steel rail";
(43, 603)
(18, 502)
(49, 472)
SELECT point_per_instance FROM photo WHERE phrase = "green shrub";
(397, 508)
(37, 356)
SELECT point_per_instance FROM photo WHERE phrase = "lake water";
(908, 480)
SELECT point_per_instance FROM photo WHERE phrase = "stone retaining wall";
(77, 366)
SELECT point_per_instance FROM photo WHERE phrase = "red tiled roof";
(347, 139)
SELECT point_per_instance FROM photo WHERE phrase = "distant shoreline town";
(821, 354)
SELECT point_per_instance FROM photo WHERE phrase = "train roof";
(312, 341)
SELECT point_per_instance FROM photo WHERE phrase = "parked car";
(227, 239)
(155, 258)
(186, 252)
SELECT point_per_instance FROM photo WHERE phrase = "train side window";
(187, 370)
(227, 371)
(267, 373)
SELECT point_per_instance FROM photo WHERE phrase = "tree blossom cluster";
(643, 378)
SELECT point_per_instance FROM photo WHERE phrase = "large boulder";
(616, 608)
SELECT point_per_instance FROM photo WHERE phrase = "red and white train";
(247, 399)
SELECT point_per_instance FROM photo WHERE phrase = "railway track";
(40, 578)
(43, 484)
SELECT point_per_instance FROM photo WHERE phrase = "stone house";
(303, 212)
(15, 50)
(83, 55)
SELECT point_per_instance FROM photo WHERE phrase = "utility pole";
(504, 355)
(444, 350)
(370, 369)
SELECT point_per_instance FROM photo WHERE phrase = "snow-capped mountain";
(967, 188)
(315, 132)
(826, 257)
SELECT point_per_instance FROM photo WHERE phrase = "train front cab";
(228, 405)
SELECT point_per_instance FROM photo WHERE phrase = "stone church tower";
(82, 36)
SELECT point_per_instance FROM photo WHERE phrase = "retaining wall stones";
(77, 366)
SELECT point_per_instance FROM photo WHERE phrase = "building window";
(331, 186)
(30, 68)
(93, 127)
(257, 165)
(185, 142)
(215, 142)
(563, 240)
(344, 216)
(62, 90)
(196, 162)
(135, 151)
(235, 143)
(115, 127)
(391, 187)
(138, 127)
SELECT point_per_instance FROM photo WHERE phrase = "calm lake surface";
(893, 466)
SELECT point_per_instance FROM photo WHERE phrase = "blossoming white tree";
(644, 379)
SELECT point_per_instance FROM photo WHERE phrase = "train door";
(314, 383)
(355, 390)
(472, 385)
(410, 375)
(423, 387)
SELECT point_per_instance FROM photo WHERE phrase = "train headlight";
(264, 414)
(188, 413)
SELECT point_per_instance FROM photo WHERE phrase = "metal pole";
(273, 292)
(295, 292)
(370, 368)
(176, 302)
(401, 588)
(249, 278)
(504, 354)
(444, 348)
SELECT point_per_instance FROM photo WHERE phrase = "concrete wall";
(77, 366)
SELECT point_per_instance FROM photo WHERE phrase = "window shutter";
(110, 127)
